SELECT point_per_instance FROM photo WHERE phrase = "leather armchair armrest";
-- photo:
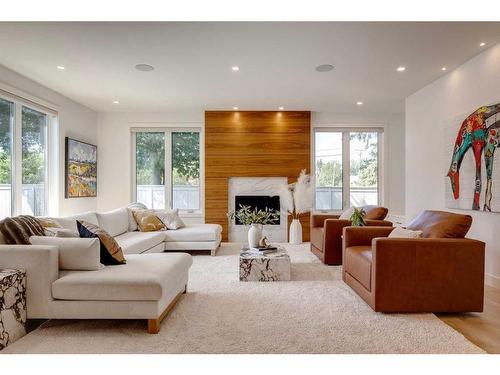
(363, 236)
(319, 220)
(378, 223)
(445, 274)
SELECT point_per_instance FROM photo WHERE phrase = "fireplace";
(259, 202)
(260, 192)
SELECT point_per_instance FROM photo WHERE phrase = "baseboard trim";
(492, 280)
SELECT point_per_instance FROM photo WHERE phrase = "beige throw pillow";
(399, 232)
(170, 218)
(147, 221)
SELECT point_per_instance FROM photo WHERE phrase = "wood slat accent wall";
(253, 144)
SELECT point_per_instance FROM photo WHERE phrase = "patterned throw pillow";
(18, 230)
(147, 221)
(170, 218)
(111, 252)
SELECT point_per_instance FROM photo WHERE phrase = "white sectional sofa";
(119, 223)
(146, 287)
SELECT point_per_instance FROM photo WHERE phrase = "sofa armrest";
(448, 272)
(363, 236)
(41, 264)
(378, 223)
(318, 220)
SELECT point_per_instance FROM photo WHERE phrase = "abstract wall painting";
(473, 179)
(81, 169)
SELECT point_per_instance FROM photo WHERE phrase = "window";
(346, 164)
(167, 168)
(24, 148)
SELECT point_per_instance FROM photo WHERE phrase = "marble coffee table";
(269, 267)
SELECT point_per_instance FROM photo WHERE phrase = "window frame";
(20, 100)
(346, 160)
(168, 131)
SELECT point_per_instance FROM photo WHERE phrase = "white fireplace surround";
(263, 186)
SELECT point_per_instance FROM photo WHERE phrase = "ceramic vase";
(254, 235)
(295, 232)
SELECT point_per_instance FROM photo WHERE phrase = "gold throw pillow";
(147, 221)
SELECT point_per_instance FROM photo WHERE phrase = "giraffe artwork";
(479, 132)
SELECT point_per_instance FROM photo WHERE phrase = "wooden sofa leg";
(154, 324)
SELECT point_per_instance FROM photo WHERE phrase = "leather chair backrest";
(375, 212)
(441, 224)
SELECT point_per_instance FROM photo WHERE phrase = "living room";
(262, 187)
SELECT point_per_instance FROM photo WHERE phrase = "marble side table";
(12, 306)
(270, 267)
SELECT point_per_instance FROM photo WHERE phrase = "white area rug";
(314, 313)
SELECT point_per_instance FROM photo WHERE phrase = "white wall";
(394, 155)
(475, 83)
(75, 121)
(115, 154)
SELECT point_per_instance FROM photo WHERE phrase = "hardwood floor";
(483, 329)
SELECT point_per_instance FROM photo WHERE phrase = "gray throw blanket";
(18, 230)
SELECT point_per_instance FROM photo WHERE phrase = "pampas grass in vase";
(297, 199)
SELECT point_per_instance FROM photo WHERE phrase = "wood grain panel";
(252, 144)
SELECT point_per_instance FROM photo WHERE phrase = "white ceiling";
(277, 60)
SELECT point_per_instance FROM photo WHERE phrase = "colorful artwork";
(81, 169)
(478, 133)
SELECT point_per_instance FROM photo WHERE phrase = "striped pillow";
(18, 230)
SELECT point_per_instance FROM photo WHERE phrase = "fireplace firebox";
(257, 201)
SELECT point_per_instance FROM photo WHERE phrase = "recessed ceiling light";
(235, 68)
(443, 68)
(144, 67)
(401, 69)
(359, 103)
(116, 102)
(60, 67)
(324, 68)
(235, 108)
(281, 108)
(482, 44)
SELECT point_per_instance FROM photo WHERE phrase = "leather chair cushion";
(441, 224)
(358, 263)
(317, 237)
(375, 212)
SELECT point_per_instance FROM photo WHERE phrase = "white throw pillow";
(132, 224)
(170, 218)
(61, 232)
(346, 215)
(81, 254)
(399, 232)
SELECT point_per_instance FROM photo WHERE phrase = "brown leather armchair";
(326, 233)
(442, 272)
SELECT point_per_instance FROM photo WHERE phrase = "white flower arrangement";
(297, 198)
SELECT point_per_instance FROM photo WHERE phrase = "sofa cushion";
(111, 252)
(194, 233)
(145, 277)
(74, 253)
(358, 263)
(375, 212)
(441, 224)
(138, 242)
(18, 230)
(69, 222)
(132, 224)
(399, 232)
(114, 222)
